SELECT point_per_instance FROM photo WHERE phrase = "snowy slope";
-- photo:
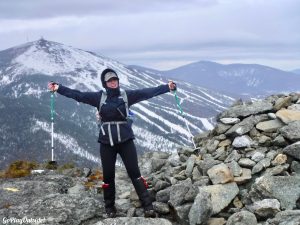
(26, 69)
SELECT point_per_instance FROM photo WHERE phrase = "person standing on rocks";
(116, 134)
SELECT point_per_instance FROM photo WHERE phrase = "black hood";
(103, 75)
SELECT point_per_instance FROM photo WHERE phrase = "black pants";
(127, 151)
(128, 154)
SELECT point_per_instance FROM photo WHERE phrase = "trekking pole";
(181, 113)
(52, 126)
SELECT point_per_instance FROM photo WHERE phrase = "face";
(112, 83)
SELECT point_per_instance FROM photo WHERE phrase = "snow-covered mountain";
(240, 79)
(25, 129)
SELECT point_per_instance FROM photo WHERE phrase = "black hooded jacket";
(114, 107)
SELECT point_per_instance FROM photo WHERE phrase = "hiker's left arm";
(135, 96)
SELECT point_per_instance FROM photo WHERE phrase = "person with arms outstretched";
(116, 135)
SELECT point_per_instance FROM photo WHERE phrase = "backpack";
(125, 99)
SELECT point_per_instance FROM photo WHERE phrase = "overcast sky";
(162, 34)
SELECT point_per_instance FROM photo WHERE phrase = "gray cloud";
(53, 8)
(162, 33)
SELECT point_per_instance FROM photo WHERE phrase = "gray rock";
(245, 176)
(206, 164)
(174, 159)
(187, 151)
(286, 189)
(291, 131)
(163, 195)
(134, 221)
(257, 156)
(230, 121)
(242, 142)
(264, 140)
(202, 181)
(295, 166)
(288, 217)
(235, 168)
(76, 190)
(271, 154)
(212, 145)
(266, 208)
(277, 170)
(280, 141)
(282, 102)
(245, 162)
(294, 107)
(233, 156)
(201, 209)
(221, 128)
(124, 205)
(220, 174)
(191, 194)
(270, 125)
(257, 107)
(264, 163)
(190, 165)
(161, 185)
(182, 213)
(221, 195)
(161, 208)
(243, 127)
(196, 175)
(242, 218)
(178, 192)
(293, 150)
(59, 209)
(201, 136)
(157, 164)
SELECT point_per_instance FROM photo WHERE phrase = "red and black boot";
(141, 186)
(109, 192)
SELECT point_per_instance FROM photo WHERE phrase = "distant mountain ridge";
(240, 79)
(297, 71)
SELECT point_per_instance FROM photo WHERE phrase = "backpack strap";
(125, 99)
(102, 100)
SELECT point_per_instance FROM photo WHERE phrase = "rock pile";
(245, 171)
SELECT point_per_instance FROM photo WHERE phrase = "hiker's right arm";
(91, 98)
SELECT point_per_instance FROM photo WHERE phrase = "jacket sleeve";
(91, 98)
(135, 96)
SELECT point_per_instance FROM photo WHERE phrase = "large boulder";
(270, 125)
(201, 209)
(291, 131)
(287, 116)
(286, 189)
(242, 218)
(288, 217)
(220, 174)
(221, 195)
(242, 111)
(293, 150)
(242, 127)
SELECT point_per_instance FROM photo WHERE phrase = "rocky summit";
(244, 171)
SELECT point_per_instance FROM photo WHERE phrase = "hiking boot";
(109, 199)
(141, 186)
(111, 212)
